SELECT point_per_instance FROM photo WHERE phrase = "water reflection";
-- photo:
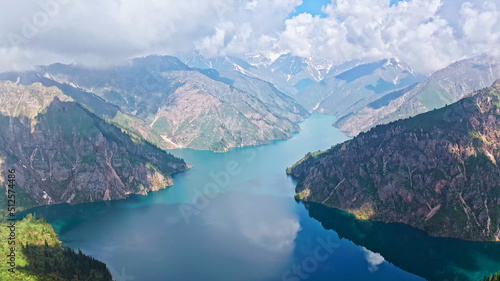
(252, 228)
(412, 250)
(242, 235)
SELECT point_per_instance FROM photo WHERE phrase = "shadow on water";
(439, 259)
(65, 216)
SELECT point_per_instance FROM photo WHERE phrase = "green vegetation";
(365, 212)
(310, 155)
(132, 96)
(40, 256)
(70, 118)
(303, 194)
(447, 156)
(161, 125)
(434, 96)
(494, 277)
(386, 100)
(81, 144)
(127, 122)
(496, 95)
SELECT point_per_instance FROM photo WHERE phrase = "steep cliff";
(61, 152)
(437, 171)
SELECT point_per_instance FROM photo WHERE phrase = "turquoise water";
(233, 217)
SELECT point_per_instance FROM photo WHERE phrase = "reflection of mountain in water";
(411, 249)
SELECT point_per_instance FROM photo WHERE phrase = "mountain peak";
(496, 85)
(437, 171)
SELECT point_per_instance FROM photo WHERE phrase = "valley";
(252, 140)
(91, 136)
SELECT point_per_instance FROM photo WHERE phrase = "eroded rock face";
(205, 114)
(437, 171)
(61, 152)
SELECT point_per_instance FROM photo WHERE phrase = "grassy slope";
(40, 246)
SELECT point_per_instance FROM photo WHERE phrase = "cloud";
(93, 31)
(374, 29)
(416, 31)
(481, 27)
(428, 34)
(374, 260)
(275, 236)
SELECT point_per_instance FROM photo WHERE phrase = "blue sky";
(396, 1)
(313, 7)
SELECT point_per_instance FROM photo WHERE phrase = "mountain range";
(172, 105)
(63, 153)
(353, 89)
(288, 73)
(160, 102)
(443, 87)
(437, 171)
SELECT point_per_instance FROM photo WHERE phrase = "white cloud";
(481, 27)
(372, 29)
(93, 31)
(276, 236)
(428, 34)
(416, 31)
(374, 260)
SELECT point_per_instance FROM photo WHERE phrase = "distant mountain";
(279, 103)
(443, 87)
(288, 73)
(166, 102)
(300, 72)
(63, 153)
(437, 171)
(219, 63)
(354, 88)
(205, 113)
(258, 69)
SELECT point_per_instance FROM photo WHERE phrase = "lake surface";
(233, 217)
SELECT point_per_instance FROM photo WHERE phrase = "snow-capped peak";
(265, 58)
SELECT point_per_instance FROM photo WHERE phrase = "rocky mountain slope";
(353, 89)
(171, 105)
(210, 114)
(437, 171)
(300, 72)
(443, 87)
(230, 63)
(288, 73)
(61, 152)
(279, 103)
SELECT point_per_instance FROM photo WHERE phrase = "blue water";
(233, 217)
